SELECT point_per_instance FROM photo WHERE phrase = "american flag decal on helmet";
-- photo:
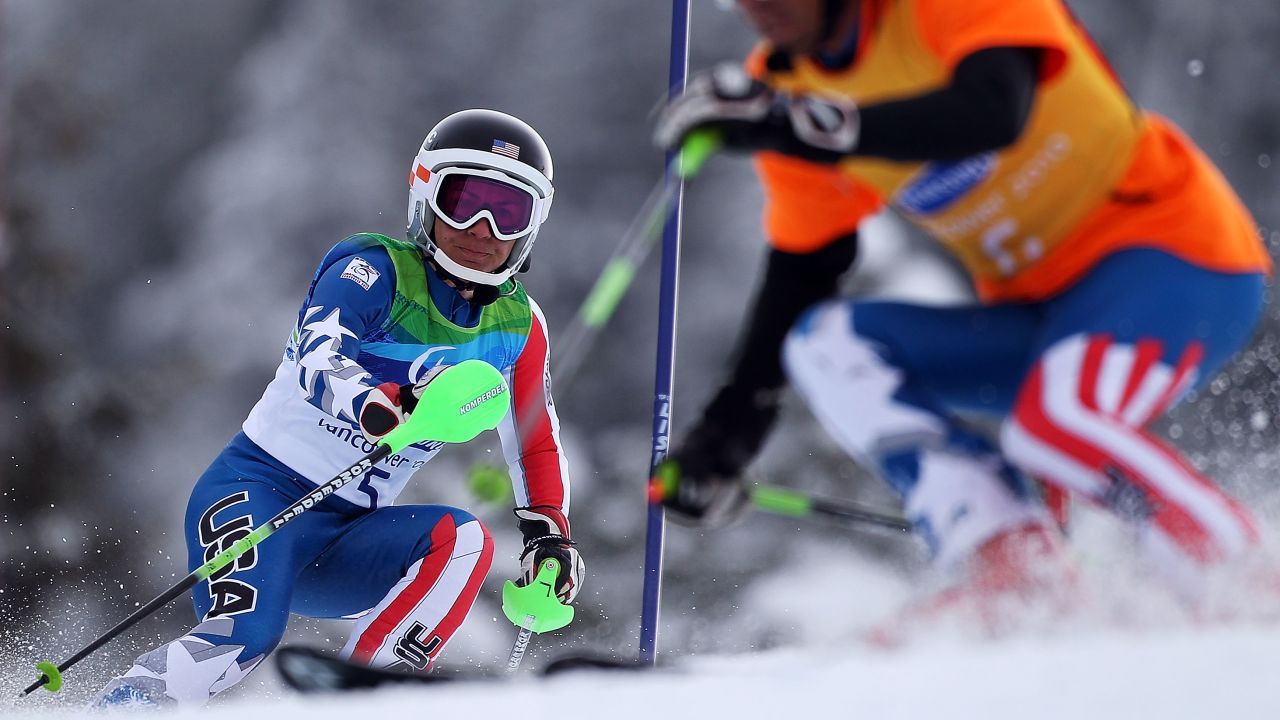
(505, 148)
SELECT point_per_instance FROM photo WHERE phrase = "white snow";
(1220, 672)
(1144, 660)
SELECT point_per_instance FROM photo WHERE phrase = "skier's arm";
(530, 433)
(530, 437)
(984, 107)
(734, 425)
(732, 428)
(351, 297)
(792, 283)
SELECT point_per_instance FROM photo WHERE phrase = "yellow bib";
(1002, 211)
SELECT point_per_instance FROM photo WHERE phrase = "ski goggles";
(463, 196)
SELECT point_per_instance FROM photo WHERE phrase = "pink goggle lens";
(463, 197)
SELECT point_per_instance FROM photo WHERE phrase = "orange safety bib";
(999, 212)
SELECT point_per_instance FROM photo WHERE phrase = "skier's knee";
(480, 541)
(823, 348)
(456, 530)
(851, 388)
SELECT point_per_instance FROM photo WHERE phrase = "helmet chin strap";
(480, 294)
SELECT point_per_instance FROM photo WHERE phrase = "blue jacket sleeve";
(349, 301)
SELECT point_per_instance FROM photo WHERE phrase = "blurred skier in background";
(1116, 271)
(381, 317)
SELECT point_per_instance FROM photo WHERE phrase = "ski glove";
(387, 405)
(700, 499)
(546, 535)
(750, 115)
(702, 476)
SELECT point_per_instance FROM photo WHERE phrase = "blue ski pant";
(416, 569)
(1075, 380)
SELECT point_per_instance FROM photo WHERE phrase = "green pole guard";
(53, 677)
(698, 147)
(228, 556)
(461, 402)
(664, 482)
(781, 501)
(608, 290)
(489, 483)
(537, 600)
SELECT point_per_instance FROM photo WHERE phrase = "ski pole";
(521, 644)
(795, 503)
(634, 246)
(665, 355)
(460, 403)
(534, 608)
(488, 482)
(791, 503)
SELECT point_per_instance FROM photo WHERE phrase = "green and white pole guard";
(461, 402)
(534, 608)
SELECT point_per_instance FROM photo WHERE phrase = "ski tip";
(310, 671)
(575, 663)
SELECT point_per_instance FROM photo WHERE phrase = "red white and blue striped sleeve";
(530, 433)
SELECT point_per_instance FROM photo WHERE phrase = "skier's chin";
(485, 267)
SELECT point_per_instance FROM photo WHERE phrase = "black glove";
(702, 478)
(749, 115)
(546, 535)
(389, 404)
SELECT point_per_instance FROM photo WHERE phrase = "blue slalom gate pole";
(667, 303)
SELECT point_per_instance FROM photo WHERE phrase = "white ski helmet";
(481, 164)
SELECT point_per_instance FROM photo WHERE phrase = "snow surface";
(1223, 672)
(1131, 652)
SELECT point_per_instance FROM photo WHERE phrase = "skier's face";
(475, 247)
(791, 25)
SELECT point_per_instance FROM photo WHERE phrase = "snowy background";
(173, 170)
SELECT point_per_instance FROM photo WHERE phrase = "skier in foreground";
(380, 319)
(1115, 267)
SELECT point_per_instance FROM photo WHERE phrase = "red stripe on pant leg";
(1241, 513)
(1029, 413)
(462, 605)
(443, 538)
(1169, 517)
(1146, 354)
(1090, 368)
(1057, 500)
(1187, 364)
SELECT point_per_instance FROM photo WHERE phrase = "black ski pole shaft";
(795, 503)
(51, 675)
